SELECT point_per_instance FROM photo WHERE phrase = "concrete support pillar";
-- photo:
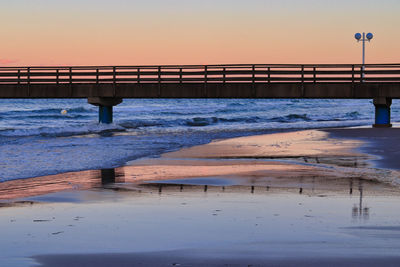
(382, 112)
(105, 114)
(105, 105)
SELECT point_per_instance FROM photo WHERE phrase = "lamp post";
(382, 104)
(363, 38)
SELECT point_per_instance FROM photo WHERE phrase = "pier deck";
(106, 86)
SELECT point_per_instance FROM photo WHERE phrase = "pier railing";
(244, 73)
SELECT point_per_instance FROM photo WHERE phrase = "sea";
(49, 136)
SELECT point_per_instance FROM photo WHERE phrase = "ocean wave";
(231, 110)
(252, 119)
(92, 128)
(183, 113)
(48, 111)
(333, 119)
(237, 104)
(178, 125)
(206, 121)
(134, 124)
(51, 117)
(354, 114)
(199, 121)
(291, 118)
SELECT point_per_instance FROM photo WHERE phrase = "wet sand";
(283, 158)
(383, 143)
(205, 226)
(192, 258)
(300, 198)
(322, 159)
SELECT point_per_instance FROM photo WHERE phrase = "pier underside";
(107, 95)
(201, 90)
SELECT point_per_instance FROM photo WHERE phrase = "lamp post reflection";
(360, 212)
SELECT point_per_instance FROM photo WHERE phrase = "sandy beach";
(199, 133)
(302, 198)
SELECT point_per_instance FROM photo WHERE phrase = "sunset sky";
(137, 32)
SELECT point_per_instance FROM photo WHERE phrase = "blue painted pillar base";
(382, 112)
(105, 114)
(105, 105)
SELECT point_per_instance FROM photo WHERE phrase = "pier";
(107, 86)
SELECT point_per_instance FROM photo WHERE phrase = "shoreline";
(328, 153)
(383, 143)
(308, 198)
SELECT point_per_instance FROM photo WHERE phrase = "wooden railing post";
(159, 75)
(57, 76)
(114, 75)
(205, 81)
(159, 81)
(224, 75)
(269, 74)
(352, 92)
(253, 75)
(28, 76)
(70, 81)
(302, 80)
(253, 80)
(180, 75)
(19, 76)
(205, 74)
(361, 74)
(114, 81)
(97, 76)
(138, 75)
(315, 74)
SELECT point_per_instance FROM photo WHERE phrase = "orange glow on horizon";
(177, 32)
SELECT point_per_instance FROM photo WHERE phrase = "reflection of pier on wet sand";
(59, 182)
(305, 160)
(280, 200)
(124, 179)
(181, 223)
